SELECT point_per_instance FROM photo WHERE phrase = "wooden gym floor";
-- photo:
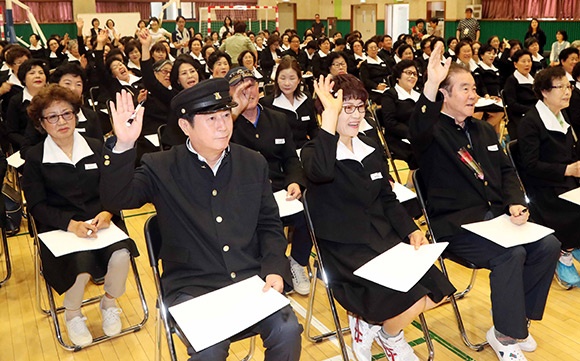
(28, 335)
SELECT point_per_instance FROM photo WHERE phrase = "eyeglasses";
(67, 116)
(563, 87)
(165, 72)
(410, 73)
(349, 108)
(339, 65)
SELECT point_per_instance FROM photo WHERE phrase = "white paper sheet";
(502, 231)
(218, 315)
(287, 208)
(380, 91)
(483, 102)
(15, 160)
(401, 267)
(403, 193)
(61, 242)
(153, 139)
(571, 196)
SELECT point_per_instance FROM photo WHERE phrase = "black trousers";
(280, 333)
(301, 241)
(520, 277)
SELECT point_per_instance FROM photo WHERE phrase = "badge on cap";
(217, 96)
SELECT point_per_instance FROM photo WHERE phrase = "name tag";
(81, 130)
(280, 141)
(377, 175)
(492, 148)
(90, 166)
(305, 118)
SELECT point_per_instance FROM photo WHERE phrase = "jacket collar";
(404, 95)
(359, 150)
(550, 120)
(523, 79)
(53, 153)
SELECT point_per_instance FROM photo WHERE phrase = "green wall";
(507, 29)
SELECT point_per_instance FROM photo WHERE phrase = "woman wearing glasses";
(398, 103)
(357, 217)
(337, 64)
(61, 184)
(289, 99)
(550, 161)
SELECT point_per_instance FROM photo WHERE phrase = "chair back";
(421, 190)
(94, 93)
(153, 240)
(310, 227)
(162, 128)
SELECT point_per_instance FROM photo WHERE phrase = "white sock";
(107, 302)
(70, 314)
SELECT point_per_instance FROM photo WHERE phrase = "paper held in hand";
(571, 196)
(502, 231)
(401, 267)
(61, 242)
(403, 193)
(287, 208)
(209, 319)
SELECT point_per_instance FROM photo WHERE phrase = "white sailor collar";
(282, 102)
(451, 52)
(13, 79)
(402, 94)
(132, 65)
(472, 64)
(397, 59)
(257, 74)
(361, 57)
(523, 79)
(376, 61)
(53, 153)
(570, 77)
(71, 57)
(484, 66)
(550, 120)
(132, 79)
(26, 95)
(81, 116)
(537, 57)
(321, 54)
(359, 150)
(425, 56)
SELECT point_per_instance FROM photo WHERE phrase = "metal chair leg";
(474, 346)
(6, 257)
(427, 337)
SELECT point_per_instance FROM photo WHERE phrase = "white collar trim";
(53, 153)
(550, 120)
(484, 66)
(523, 79)
(404, 95)
(26, 95)
(132, 79)
(377, 61)
(359, 150)
(282, 102)
(13, 79)
(537, 57)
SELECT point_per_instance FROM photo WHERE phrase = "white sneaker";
(300, 280)
(396, 348)
(363, 335)
(78, 332)
(111, 321)
(528, 344)
(504, 353)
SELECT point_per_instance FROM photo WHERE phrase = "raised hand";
(102, 39)
(80, 24)
(121, 111)
(332, 103)
(436, 72)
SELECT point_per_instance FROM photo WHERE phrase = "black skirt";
(61, 272)
(560, 215)
(369, 300)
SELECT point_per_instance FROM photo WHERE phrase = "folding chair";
(503, 135)
(318, 269)
(421, 191)
(153, 241)
(5, 248)
(53, 311)
(162, 128)
(372, 108)
(94, 93)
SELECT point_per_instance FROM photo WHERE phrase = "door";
(287, 16)
(397, 19)
(364, 19)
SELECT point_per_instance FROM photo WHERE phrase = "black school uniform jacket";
(519, 98)
(454, 195)
(372, 73)
(273, 139)
(302, 121)
(201, 252)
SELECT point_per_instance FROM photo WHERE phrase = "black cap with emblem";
(208, 96)
(238, 74)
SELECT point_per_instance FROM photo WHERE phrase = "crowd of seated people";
(276, 113)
